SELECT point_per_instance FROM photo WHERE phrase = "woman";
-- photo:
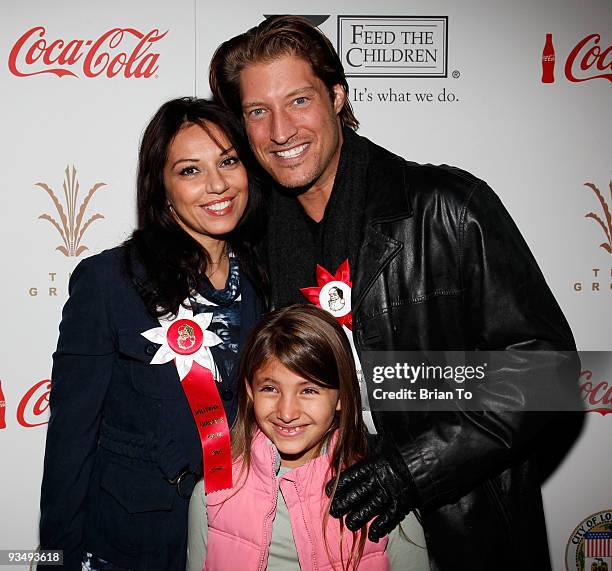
(150, 333)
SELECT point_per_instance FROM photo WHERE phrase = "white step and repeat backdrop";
(471, 84)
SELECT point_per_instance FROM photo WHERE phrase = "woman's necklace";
(218, 264)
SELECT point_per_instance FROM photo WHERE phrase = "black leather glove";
(378, 486)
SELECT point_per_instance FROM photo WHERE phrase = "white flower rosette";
(185, 338)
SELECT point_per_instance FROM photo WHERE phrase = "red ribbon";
(343, 274)
(207, 409)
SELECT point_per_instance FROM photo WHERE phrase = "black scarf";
(296, 243)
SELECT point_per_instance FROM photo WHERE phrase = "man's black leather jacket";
(443, 267)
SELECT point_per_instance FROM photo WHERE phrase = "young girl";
(299, 424)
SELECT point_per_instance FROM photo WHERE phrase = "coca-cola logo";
(34, 404)
(125, 52)
(587, 60)
(596, 393)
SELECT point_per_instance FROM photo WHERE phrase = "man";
(436, 263)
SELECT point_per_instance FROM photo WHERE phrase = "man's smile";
(293, 152)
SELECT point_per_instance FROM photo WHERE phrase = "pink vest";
(240, 525)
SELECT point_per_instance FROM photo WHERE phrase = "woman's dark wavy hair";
(172, 260)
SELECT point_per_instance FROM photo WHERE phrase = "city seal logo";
(589, 547)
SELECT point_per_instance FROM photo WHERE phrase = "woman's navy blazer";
(120, 428)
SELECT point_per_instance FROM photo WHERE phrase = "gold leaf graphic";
(603, 203)
(597, 219)
(60, 210)
(55, 223)
(68, 202)
(81, 213)
(70, 230)
(86, 225)
(606, 225)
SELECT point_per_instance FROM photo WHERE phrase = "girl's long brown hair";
(311, 344)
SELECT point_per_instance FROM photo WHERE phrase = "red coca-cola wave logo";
(597, 394)
(589, 61)
(34, 404)
(124, 52)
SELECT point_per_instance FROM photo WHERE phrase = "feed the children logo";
(393, 46)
